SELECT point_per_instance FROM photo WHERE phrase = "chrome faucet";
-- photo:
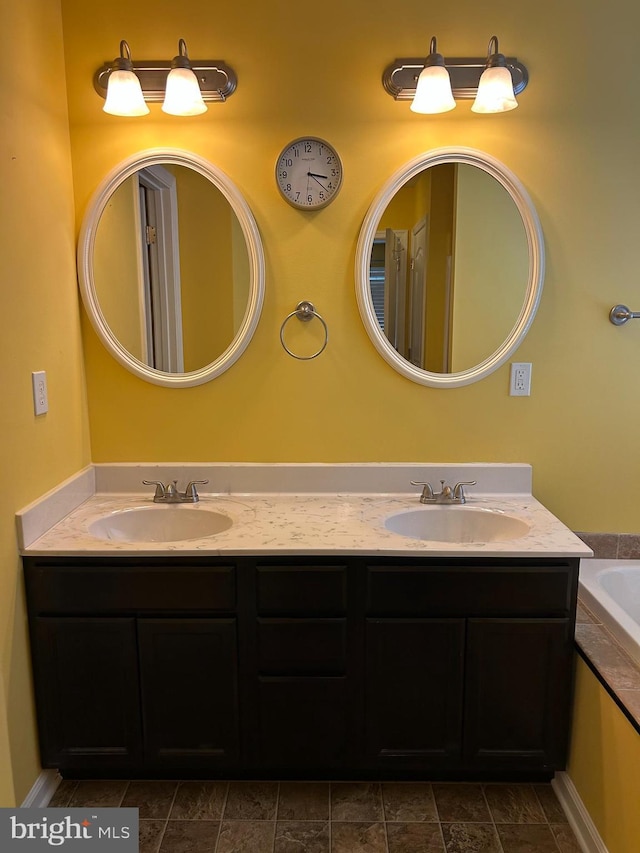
(169, 494)
(446, 495)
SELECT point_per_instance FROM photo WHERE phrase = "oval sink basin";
(160, 524)
(457, 524)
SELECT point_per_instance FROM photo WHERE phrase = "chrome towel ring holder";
(304, 311)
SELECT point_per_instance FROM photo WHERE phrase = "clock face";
(309, 173)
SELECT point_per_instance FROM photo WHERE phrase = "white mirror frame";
(86, 249)
(535, 244)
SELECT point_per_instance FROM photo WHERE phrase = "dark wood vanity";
(309, 667)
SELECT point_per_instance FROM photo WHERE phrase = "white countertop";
(284, 522)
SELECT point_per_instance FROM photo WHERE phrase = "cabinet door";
(519, 687)
(86, 679)
(188, 672)
(414, 681)
(303, 722)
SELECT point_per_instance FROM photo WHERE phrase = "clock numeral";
(288, 162)
(309, 199)
(330, 159)
(283, 174)
(288, 188)
(321, 196)
(297, 196)
(307, 148)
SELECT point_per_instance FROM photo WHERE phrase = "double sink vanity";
(301, 621)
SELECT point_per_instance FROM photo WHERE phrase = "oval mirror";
(449, 267)
(171, 268)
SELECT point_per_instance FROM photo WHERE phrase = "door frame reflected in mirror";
(255, 253)
(535, 278)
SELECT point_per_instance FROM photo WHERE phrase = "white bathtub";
(611, 590)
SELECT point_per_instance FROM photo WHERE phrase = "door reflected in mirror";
(171, 268)
(449, 267)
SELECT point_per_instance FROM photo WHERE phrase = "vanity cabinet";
(488, 684)
(303, 667)
(134, 666)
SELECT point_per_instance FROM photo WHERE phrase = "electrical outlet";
(40, 396)
(520, 385)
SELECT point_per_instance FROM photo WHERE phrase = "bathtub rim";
(614, 618)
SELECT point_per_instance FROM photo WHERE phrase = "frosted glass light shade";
(182, 95)
(433, 91)
(124, 95)
(495, 92)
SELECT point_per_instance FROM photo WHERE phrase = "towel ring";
(305, 311)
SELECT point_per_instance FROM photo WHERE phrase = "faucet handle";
(191, 491)
(458, 491)
(160, 489)
(427, 491)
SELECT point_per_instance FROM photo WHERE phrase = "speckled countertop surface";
(321, 524)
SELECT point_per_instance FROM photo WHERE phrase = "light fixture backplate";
(400, 77)
(217, 80)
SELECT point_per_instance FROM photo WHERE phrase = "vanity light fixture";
(402, 78)
(433, 89)
(124, 93)
(495, 89)
(182, 95)
(213, 78)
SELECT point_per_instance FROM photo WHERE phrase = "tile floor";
(334, 817)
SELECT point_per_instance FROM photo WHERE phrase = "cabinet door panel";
(518, 692)
(414, 682)
(86, 680)
(189, 691)
(303, 722)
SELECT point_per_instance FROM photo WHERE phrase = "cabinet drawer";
(458, 591)
(302, 590)
(302, 646)
(125, 589)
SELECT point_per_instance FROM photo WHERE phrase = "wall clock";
(309, 173)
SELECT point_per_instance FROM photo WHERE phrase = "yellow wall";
(40, 331)
(604, 764)
(573, 146)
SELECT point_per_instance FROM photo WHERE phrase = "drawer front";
(302, 646)
(460, 591)
(302, 590)
(96, 590)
